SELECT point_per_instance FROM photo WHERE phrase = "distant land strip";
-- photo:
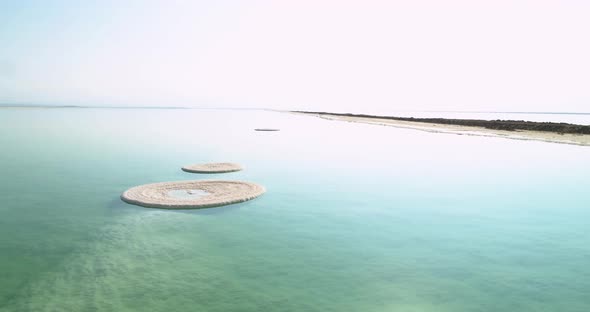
(506, 125)
(88, 106)
(8, 105)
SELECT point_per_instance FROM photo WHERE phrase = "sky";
(344, 56)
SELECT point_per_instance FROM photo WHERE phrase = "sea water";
(356, 217)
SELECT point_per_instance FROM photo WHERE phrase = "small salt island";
(212, 168)
(192, 194)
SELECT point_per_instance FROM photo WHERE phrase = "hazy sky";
(324, 55)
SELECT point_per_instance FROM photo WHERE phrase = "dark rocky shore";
(509, 125)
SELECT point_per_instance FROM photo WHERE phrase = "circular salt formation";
(192, 194)
(212, 168)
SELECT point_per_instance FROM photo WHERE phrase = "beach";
(544, 136)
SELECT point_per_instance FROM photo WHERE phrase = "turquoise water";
(356, 217)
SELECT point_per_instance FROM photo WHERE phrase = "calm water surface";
(356, 217)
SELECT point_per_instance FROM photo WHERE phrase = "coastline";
(439, 127)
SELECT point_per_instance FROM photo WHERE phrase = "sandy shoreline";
(573, 139)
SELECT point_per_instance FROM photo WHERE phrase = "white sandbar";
(212, 168)
(567, 138)
(211, 193)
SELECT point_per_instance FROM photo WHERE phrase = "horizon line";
(13, 105)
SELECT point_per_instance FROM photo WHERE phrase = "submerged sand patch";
(192, 194)
(212, 168)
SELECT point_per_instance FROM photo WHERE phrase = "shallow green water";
(356, 217)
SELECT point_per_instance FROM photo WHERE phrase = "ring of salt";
(192, 194)
(212, 168)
